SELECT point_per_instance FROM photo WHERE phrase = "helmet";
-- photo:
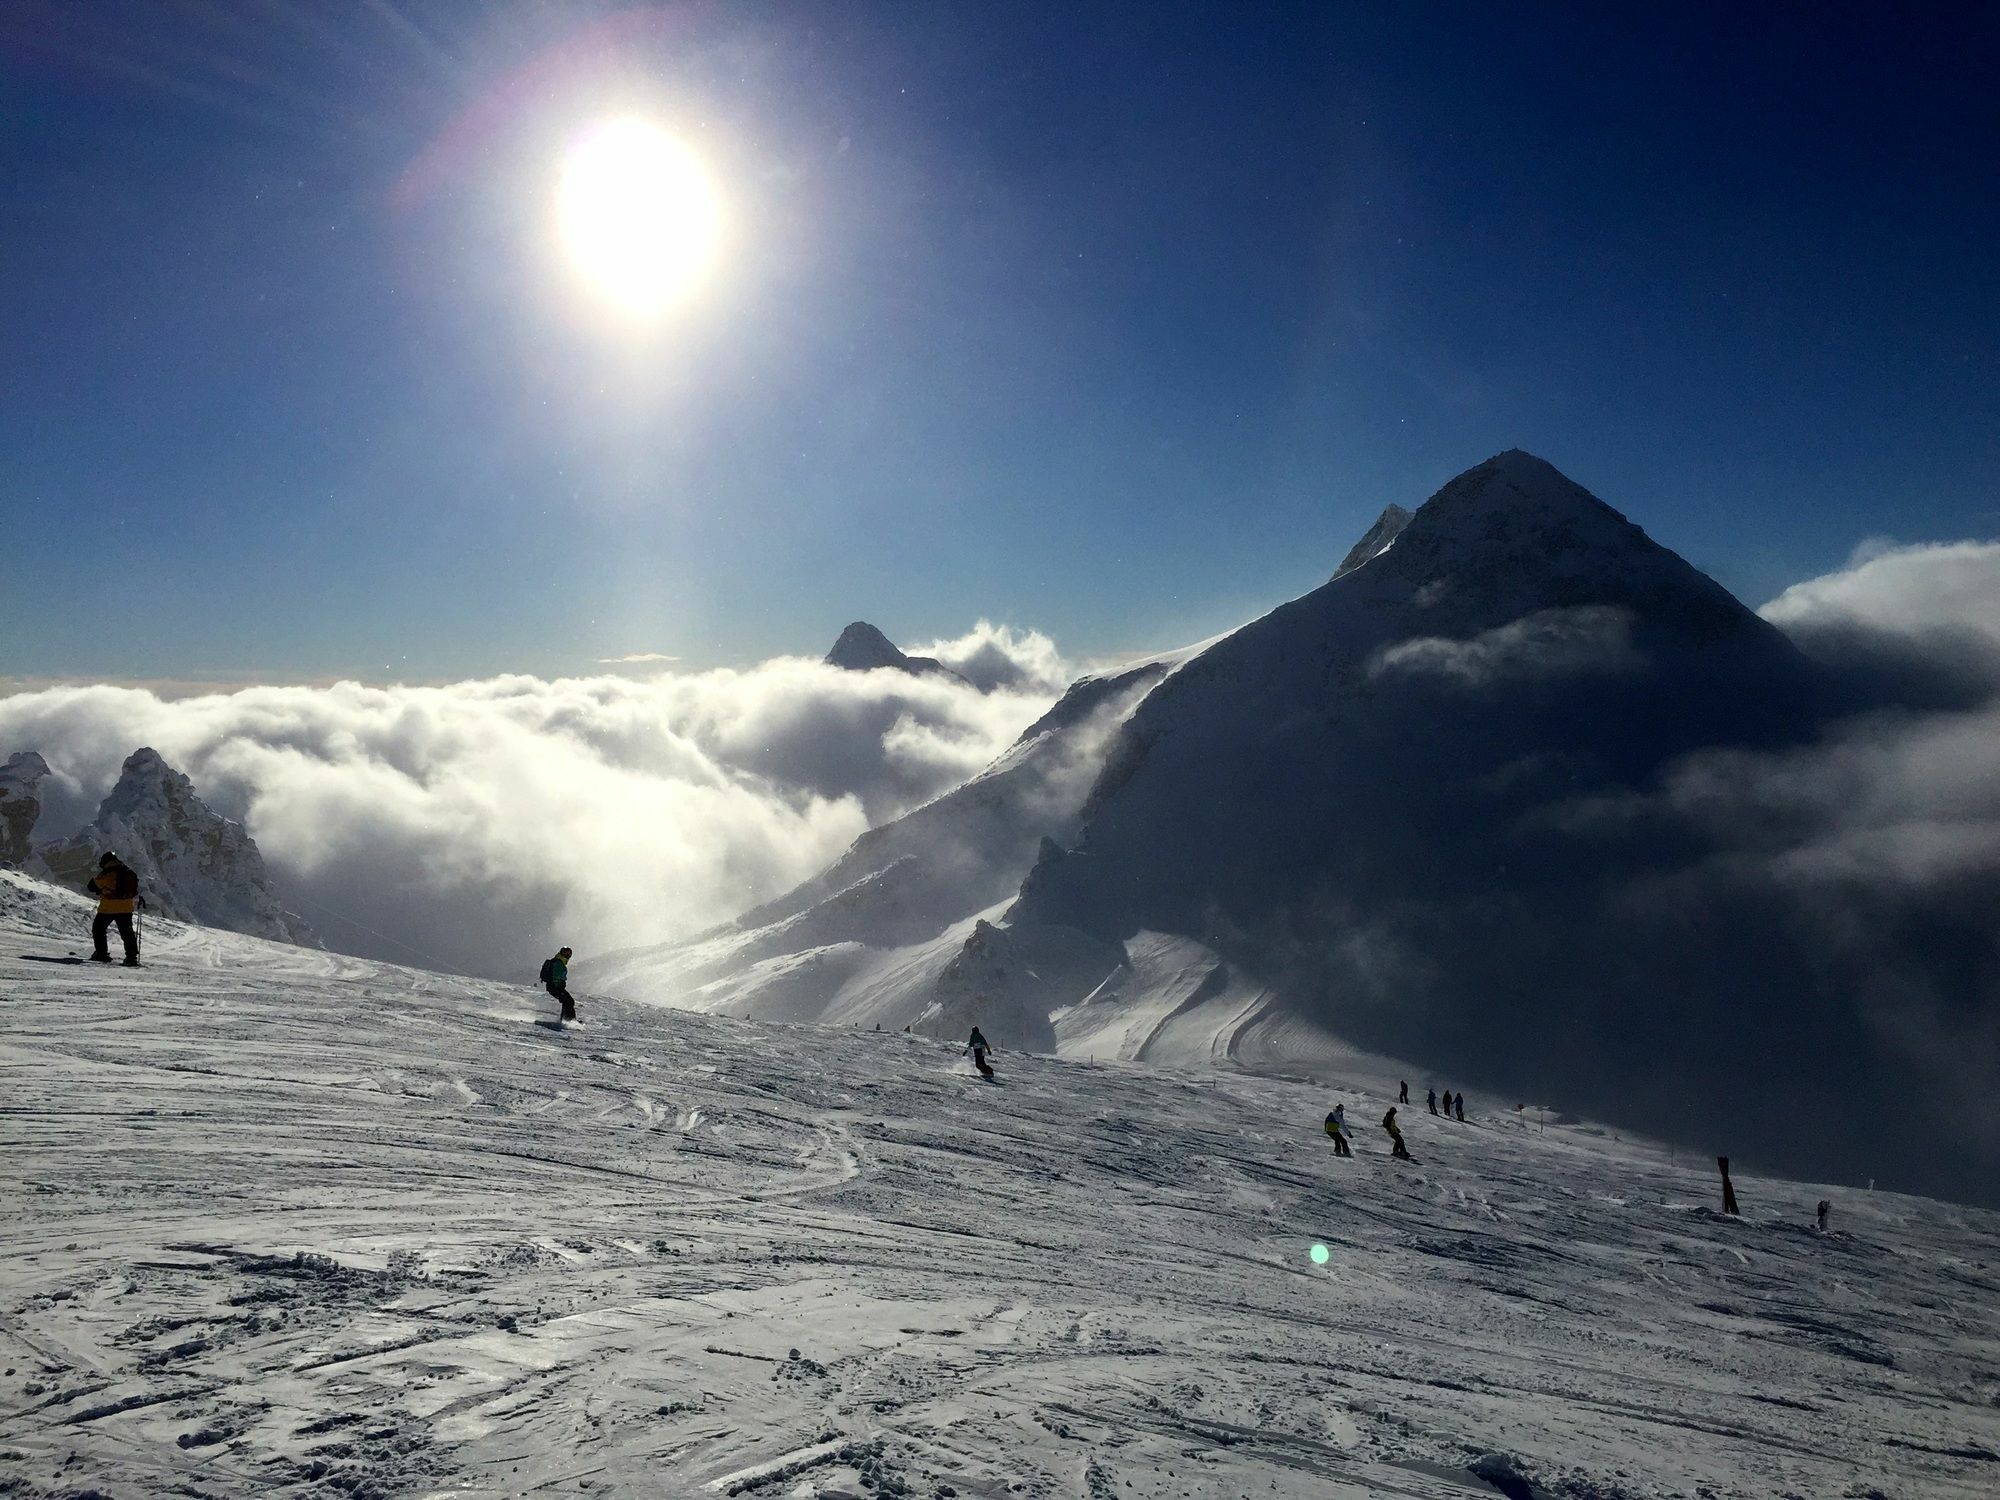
(108, 859)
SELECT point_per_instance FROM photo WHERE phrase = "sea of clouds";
(476, 825)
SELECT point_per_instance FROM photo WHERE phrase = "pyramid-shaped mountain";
(863, 648)
(1519, 638)
(1449, 805)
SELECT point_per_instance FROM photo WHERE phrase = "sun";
(638, 216)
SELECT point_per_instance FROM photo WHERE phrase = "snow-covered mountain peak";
(193, 864)
(1514, 535)
(20, 804)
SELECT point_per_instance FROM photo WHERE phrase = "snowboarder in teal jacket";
(555, 979)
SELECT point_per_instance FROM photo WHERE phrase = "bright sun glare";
(639, 216)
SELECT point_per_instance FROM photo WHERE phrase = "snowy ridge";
(193, 864)
(915, 881)
(307, 1223)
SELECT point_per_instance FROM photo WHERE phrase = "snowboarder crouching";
(555, 979)
(117, 892)
(1395, 1135)
(1336, 1126)
(979, 1047)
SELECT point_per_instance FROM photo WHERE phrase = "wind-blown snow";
(293, 1221)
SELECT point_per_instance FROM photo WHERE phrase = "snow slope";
(296, 1223)
(841, 945)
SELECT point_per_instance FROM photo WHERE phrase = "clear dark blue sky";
(1121, 321)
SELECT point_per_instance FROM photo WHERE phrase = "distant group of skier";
(1336, 1121)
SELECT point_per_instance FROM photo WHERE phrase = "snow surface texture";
(193, 865)
(308, 1224)
(20, 804)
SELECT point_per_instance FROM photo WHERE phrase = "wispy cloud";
(634, 657)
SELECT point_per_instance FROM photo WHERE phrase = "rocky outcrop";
(20, 805)
(193, 864)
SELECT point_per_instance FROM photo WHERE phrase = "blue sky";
(1121, 322)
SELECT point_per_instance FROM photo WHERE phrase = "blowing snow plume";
(1529, 799)
(475, 825)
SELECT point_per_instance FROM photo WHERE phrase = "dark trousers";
(1340, 1146)
(561, 992)
(979, 1062)
(100, 933)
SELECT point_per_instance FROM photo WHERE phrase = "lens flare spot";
(1321, 1255)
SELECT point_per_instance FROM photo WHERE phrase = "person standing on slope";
(1403, 1094)
(979, 1047)
(117, 892)
(555, 979)
(1336, 1126)
(1459, 1105)
(1395, 1135)
(1431, 1098)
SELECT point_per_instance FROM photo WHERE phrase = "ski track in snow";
(289, 1222)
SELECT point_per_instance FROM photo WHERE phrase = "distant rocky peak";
(20, 804)
(863, 648)
(193, 864)
(1376, 539)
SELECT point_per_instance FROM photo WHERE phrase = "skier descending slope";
(1395, 1136)
(1336, 1126)
(979, 1047)
(555, 979)
(117, 892)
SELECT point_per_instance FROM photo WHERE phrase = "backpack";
(124, 883)
(547, 964)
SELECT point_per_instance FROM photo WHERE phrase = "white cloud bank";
(478, 824)
(1909, 590)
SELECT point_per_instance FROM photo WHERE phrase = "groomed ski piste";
(281, 1221)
